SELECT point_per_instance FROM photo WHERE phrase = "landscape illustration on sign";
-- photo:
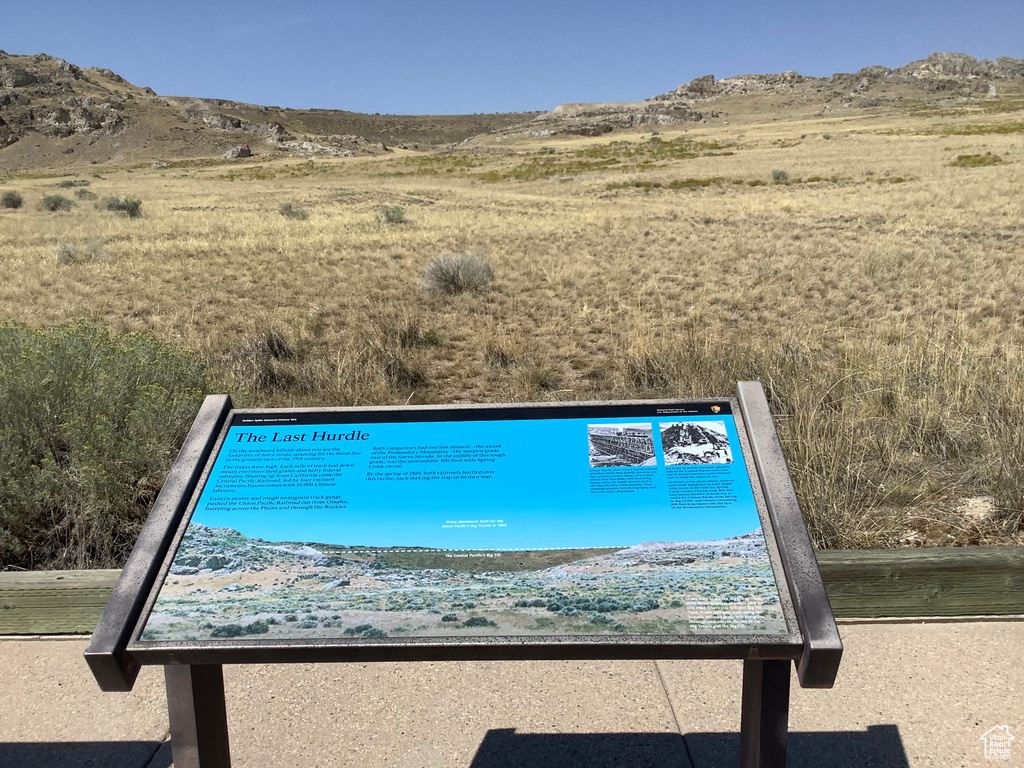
(224, 585)
(481, 552)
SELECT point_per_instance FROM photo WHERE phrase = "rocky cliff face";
(942, 78)
(939, 72)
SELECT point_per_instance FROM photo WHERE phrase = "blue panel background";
(540, 490)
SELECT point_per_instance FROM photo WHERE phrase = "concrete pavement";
(908, 695)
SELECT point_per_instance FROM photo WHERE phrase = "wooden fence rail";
(952, 582)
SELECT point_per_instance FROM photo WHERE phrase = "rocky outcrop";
(108, 74)
(236, 152)
(1005, 67)
(944, 65)
(707, 87)
(942, 78)
(599, 119)
(272, 131)
(332, 146)
(201, 112)
(12, 76)
(70, 69)
(61, 122)
(7, 134)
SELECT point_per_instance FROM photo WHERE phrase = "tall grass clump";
(129, 206)
(452, 273)
(54, 203)
(885, 442)
(262, 363)
(381, 359)
(89, 426)
(11, 199)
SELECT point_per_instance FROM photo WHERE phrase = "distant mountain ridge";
(94, 115)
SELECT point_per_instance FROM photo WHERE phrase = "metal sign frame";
(193, 669)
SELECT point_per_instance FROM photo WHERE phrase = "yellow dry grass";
(876, 292)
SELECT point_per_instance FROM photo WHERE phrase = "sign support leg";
(198, 715)
(764, 718)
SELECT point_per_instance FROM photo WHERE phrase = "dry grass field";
(867, 276)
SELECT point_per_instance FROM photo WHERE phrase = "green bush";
(228, 630)
(72, 183)
(391, 214)
(89, 425)
(365, 630)
(56, 203)
(976, 161)
(289, 212)
(258, 627)
(129, 206)
(456, 273)
(11, 199)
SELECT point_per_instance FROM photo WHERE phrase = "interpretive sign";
(655, 529)
(598, 520)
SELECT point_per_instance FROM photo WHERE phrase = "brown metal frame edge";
(823, 648)
(105, 653)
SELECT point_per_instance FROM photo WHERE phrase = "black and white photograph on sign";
(695, 442)
(621, 445)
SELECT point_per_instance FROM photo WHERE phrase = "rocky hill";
(941, 80)
(54, 113)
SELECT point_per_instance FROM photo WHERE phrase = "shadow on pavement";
(82, 754)
(503, 747)
(879, 746)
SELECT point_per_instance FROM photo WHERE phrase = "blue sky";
(409, 57)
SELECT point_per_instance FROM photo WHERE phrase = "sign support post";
(198, 715)
(764, 715)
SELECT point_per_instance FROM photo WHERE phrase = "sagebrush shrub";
(290, 212)
(89, 426)
(72, 253)
(391, 214)
(129, 206)
(778, 176)
(85, 194)
(452, 273)
(55, 203)
(11, 199)
(72, 183)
